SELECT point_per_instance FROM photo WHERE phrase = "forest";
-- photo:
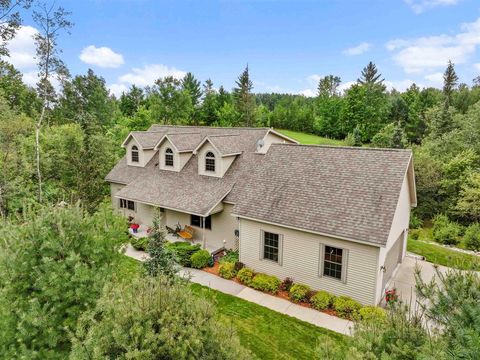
(60, 264)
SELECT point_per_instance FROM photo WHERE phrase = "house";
(334, 218)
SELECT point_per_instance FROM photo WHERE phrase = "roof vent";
(260, 144)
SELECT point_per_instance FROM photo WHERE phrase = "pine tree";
(357, 136)
(244, 99)
(450, 79)
(192, 86)
(370, 75)
(328, 86)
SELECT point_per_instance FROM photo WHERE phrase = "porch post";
(203, 234)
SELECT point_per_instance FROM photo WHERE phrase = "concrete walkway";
(283, 306)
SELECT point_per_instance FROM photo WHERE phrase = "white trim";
(321, 264)
(199, 146)
(309, 231)
(271, 130)
(279, 262)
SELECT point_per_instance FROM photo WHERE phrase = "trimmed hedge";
(184, 251)
(372, 313)
(322, 300)
(245, 276)
(346, 307)
(227, 270)
(264, 282)
(299, 292)
(200, 259)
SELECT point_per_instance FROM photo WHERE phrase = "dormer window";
(135, 154)
(210, 161)
(168, 157)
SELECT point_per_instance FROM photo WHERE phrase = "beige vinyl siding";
(223, 227)
(221, 163)
(270, 139)
(400, 223)
(301, 260)
(144, 156)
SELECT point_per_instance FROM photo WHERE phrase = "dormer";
(216, 153)
(139, 148)
(174, 150)
(272, 137)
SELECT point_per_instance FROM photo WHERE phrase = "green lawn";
(266, 333)
(442, 256)
(310, 139)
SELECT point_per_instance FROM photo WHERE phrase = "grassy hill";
(310, 139)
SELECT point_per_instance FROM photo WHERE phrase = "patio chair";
(186, 233)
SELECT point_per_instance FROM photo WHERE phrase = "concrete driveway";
(404, 278)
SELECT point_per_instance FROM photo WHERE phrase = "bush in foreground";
(184, 251)
(153, 318)
(472, 237)
(445, 231)
(299, 292)
(227, 270)
(322, 300)
(346, 307)
(139, 244)
(245, 276)
(200, 259)
(372, 313)
(266, 283)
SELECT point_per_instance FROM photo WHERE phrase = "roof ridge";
(344, 147)
(183, 133)
(219, 135)
(213, 127)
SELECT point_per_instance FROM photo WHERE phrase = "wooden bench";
(186, 233)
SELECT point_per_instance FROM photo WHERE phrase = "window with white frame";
(127, 204)
(210, 161)
(168, 157)
(271, 246)
(333, 262)
(135, 157)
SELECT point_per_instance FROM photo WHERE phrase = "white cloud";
(101, 56)
(345, 86)
(399, 85)
(22, 48)
(419, 6)
(433, 52)
(314, 78)
(118, 89)
(308, 93)
(435, 78)
(358, 50)
(149, 73)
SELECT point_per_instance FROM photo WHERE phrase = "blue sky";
(287, 44)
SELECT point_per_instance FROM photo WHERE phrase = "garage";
(393, 258)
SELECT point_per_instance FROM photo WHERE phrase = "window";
(134, 153)
(332, 262)
(210, 161)
(168, 157)
(198, 221)
(127, 204)
(271, 245)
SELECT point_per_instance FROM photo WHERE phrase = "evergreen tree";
(357, 136)
(450, 79)
(223, 97)
(131, 100)
(209, 104)
(162, 260)
(370, 75)
(192, 86)
(244, 99)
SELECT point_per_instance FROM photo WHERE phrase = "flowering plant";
(391, 296)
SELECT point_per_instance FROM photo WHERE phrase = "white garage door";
(393, 258)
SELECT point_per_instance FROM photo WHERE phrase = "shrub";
(346, 307)
(266, 283)
(298, 292)
(372, 313)
(184, 251)
(445, 231)
(322, 300)
(227, 270)
(239, 266)
(286, 284)
(414, 234)
(200, 259)
(472, 237)
(139, 244)
(245, 276)
(231, 256)
(415, 221)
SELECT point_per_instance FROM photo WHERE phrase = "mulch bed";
(280, 294)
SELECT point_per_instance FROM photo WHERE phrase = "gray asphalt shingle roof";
(346, 192)
(340, 191)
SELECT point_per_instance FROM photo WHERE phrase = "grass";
(266, 333)
(443, 256)
(310, 139)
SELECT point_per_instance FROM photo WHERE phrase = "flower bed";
(341, 306)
